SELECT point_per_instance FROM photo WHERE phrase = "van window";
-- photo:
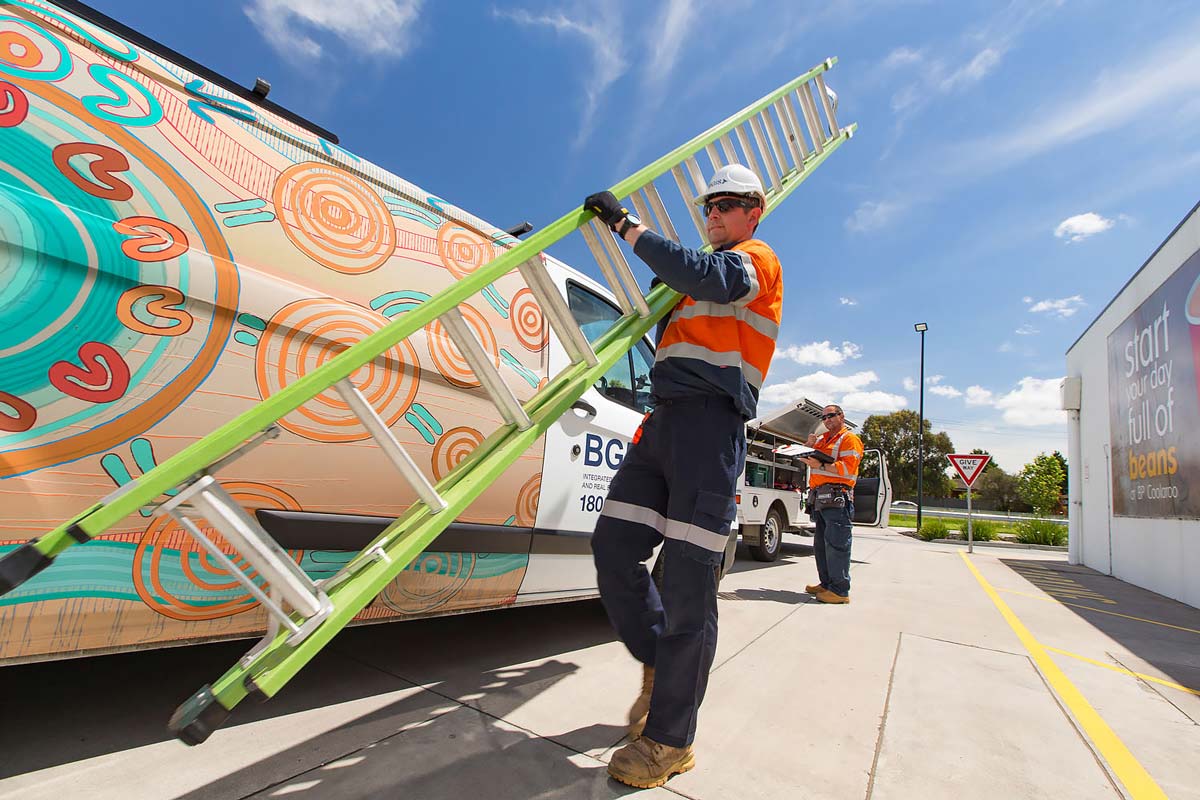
(627, 381)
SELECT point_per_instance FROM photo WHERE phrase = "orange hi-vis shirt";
(719, 339)
(847, 451)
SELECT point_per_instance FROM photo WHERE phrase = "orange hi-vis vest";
(846, 450)
(721, 336)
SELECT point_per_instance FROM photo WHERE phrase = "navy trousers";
(831, 547)
(676, 486)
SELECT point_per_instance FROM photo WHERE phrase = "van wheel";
(770, 538)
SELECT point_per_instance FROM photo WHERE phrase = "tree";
(895, 435)
(990, 465)
(1062, 462)
(1039, 482)
(997, 489)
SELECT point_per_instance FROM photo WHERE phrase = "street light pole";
(920, 328)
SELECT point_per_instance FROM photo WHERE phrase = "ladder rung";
(789, 103)
(711, 150)
(689, 199)
(486, 371)
(622, 268)
(830, 113)
(660, 211)
(392, 449)
(643, 210)
(789, 134)
(764, 118)
(752, 160)
(761, 140)
(211, 502)
(810, 117)
(727, 150)
(591, 234)
(557, 313)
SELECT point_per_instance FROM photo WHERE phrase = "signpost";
(969, 467)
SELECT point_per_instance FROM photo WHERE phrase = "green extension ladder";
(304, 615)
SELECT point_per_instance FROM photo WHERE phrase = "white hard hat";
(734, 179)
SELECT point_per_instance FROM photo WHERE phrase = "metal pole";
(970, 533)
(921, 435)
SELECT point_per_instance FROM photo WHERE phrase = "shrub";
(982, 530)
(933, 529)
(1037, 531)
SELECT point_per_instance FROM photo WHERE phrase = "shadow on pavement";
(1158, 630)
(66, 711)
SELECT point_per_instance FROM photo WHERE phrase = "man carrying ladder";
(677, 482)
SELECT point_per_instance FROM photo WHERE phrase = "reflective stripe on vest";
(834, 454)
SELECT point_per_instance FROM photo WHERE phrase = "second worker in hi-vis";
(831, 504)
(676, 485)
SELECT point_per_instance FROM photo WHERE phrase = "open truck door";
(872, 491)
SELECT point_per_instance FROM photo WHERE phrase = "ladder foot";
(198, 717)
(20, 565)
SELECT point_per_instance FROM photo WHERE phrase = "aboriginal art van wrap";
(169, 257)
(1154, 401)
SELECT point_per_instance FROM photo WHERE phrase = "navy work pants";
(675, 486)
(831, 547)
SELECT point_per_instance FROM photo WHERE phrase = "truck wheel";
(769, 538)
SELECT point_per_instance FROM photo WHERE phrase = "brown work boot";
(641, 707)
(645, 763)
(826, 596)
(813, 588)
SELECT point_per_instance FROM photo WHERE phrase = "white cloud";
(1026, 299)
(1026, 330)
(945, 391)
(378, 28)
(602, 36)
(821, 354)
(1062, 308)
(873, 402)
(900, 57)
(1081, 226)
(1005, 347)
(1122, 93)
(934, 379)
(979, 396)
(973, 71)
(1034, 402)
(848, 301)
(910, 385)
(871, 216)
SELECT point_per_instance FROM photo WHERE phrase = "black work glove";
(607, 208)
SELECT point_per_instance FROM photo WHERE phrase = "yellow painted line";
(1102, 611)
(1127, 769)
(1124, 671)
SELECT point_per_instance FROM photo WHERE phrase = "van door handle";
(585, 406)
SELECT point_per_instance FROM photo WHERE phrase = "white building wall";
(1162, 555)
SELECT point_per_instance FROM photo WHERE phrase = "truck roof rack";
(144, 42)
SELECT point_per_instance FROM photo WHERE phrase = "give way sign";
(969, 466)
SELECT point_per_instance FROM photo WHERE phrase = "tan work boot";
(645, 763)
(641, 707)
(813, 588)
(826, 596)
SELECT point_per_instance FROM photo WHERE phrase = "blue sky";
(1015, 162)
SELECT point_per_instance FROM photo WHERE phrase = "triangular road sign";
(970, 466)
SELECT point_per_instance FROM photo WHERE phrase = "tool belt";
(827, 496)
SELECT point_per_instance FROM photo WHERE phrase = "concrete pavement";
(922, 686)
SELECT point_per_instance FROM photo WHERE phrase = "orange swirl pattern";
(462, 251)
(449, 361)
(527, 321)
(307, 333)
(527, 501)
(165, 538)
(453, 446)
(334, 218)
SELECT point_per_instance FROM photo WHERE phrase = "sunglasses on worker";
(727, 204)
(830, 416)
